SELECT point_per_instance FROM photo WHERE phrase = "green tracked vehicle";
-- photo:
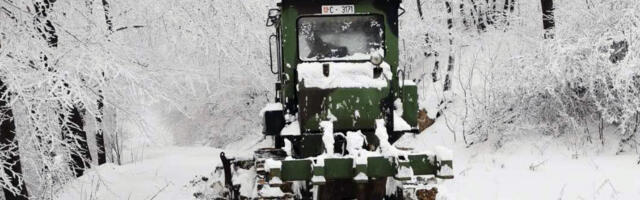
(341, 102)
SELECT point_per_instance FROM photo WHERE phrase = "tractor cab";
(337, 61)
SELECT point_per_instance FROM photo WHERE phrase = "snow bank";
(163, 174)
(343, 75)
(506, 173)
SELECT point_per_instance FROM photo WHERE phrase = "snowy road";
(543, 169)
(163, 174)
(531, 167)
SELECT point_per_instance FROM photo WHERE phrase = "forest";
(96, 89)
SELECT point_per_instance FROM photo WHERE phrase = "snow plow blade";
(399, 167)
(270, 175)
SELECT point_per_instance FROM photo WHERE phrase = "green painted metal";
(318, 170)
(422, 164)
(315, 104)
(410, 104)
(289, 16)
(344, 168)
(311, 145)
(295, 97)
(296, 170)
(338, 168)
(361, 168)
(380, 167)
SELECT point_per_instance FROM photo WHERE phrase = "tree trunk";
(436, 67)
(102, 158)
(509, 6)
(463, 15)
(548, 22)
(419, 5)
(74, 134)
(479, 15)
(507, 10)
(77, 138)
(9, 147)
(447, 81)
(107, 15)
(490, 13)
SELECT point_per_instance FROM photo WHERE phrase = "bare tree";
(11, 162)
(9, 149)
(72, 125)
(480, 14)
(509, 5)
(419, 5)
(548, 22)
(102, 158)
(58, 63)
(507, 10)
(447, 81)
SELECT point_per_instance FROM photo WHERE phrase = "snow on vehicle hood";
(343, 75)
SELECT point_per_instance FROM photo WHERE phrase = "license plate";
(338, 9)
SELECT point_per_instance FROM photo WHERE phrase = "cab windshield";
(340, 38)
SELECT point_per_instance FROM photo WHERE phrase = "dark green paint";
(311, 145)
(296, 170)
(421, 165)
(338, 168)
(410, 104)
(344, 168)
(313, 104)
(380, 167)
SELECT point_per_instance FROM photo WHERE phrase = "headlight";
(376, 59)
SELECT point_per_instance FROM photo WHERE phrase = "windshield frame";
(384, 38)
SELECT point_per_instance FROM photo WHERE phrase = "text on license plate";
(338, 9)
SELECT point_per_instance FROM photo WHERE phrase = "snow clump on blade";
(327, 137)
(443, 153)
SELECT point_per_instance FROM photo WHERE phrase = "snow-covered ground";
(163, 173)
(525, 166)
(539, 169)
(532, 168)
(154, 172)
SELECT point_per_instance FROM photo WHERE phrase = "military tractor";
(341, 102)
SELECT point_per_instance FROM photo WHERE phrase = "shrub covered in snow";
(587, 77)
